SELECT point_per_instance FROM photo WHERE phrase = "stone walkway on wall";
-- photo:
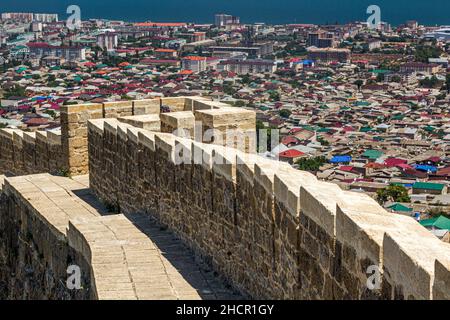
(131, 257)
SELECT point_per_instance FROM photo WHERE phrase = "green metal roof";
(400, 207)
(380, 71)
(365, 129)
(441, 222)
(372, 154)
(428, 186)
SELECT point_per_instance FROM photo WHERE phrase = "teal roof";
(372, 154)
(428, 186)
(441, 222)
(399, 207)
(380, 71)
(398, 117)
(365, 129)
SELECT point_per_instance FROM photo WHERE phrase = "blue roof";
(338, 159)
(426, 168)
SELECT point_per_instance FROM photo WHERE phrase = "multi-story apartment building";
(194, 63)
(28, 17)
(249, 66)
(221, 20)
(321, 39)
(41, 49)
(428, 68)
(18, 16)
(329, 54)
(255, 50)
(45, 17)
(108, 40)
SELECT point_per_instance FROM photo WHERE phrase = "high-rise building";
(221, 20)
(194, 63)
(108, 40)
(28, 17)
(18, 16)
(45, 17)
(321, 39)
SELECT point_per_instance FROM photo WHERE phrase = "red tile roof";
(292, 153)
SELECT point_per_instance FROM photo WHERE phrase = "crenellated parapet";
(23, 152)
(272, 231)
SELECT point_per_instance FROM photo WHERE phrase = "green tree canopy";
(311, 164)
(285, 113)
(393, 193)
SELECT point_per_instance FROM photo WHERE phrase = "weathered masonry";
(65, 151)
(271, 231)
(47, 226)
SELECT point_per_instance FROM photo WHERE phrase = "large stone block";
(149, 121)
(117, 109)
(179, 123)
(146, 106)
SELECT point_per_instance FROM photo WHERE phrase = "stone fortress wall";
(271, 231)
(64, 151)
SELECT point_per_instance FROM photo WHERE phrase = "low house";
(290, 155)
(439, 226)
(429, 188)
(399, 208)
(372, 154)
(341, 159)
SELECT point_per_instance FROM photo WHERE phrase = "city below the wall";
(288, 159)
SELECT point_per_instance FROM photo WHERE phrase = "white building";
(108, 40)
(194, 63)
(222, 20)
(249, 66)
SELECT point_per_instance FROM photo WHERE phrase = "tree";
(245, 79)
(274, 96)
(429, 82)
(239, 103)
(310, 164)
(423, 53)
(380, 77)
(284, 113)
(396, 79)
(229, 90)
(359, 84)
(16, 91)
(393, 193)
(322, 141)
